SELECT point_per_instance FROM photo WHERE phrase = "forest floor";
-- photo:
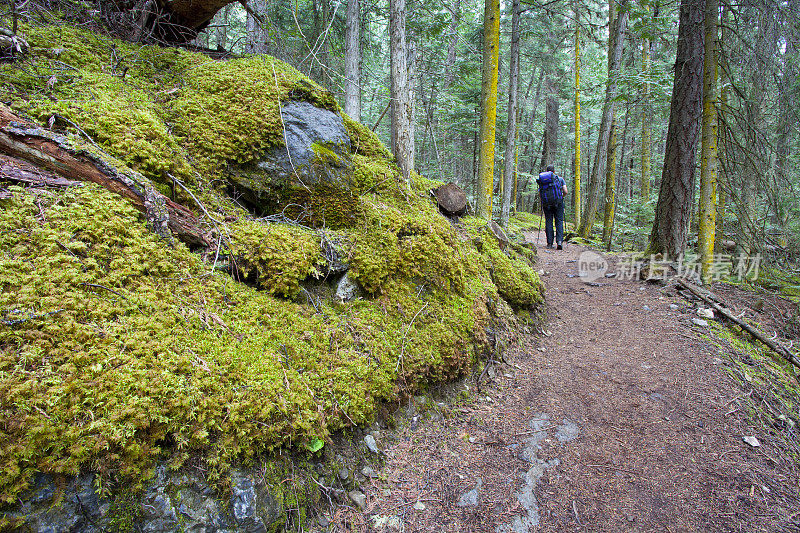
(621, 415)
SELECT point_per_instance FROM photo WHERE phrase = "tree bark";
(24, 140)
(550, 144)
(708, 149)
(644, 178)
(616, 42)
(491, 58)
(576, 168)
(611, 185)
(511, 130)
(403, 139)
(352, 61)
(257, 31)
(676, 193)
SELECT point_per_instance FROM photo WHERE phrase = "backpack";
(550, 190)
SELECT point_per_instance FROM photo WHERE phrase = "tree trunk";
(174, 21)
(576, 168)
(611, 185)
(616, 41)
(352, 61)
(676, 193)
(550, 144)
(257, 31)
(489, 73)
(708, 150)
(644, 179)
(22, 139)
(623, 175)
(403, 139)
(511, 130)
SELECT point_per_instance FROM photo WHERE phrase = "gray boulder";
(317, 153)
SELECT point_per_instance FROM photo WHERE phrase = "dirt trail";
(623, 419)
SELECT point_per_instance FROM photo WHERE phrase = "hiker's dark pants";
(556, 212)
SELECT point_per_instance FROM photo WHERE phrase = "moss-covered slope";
(117, 349)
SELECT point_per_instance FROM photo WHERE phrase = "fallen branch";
(25, 140)
(710, 298)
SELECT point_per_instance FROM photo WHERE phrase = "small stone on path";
(367, 471)
(751, 440)
(470, 498)
(419, 506)
(567, 431)
(674, 307)
(700, 322)
(385, 522)
(705, 313)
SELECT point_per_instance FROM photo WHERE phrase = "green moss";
(364, 142)
(278, 256)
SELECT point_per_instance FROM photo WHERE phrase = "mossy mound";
(117, 349)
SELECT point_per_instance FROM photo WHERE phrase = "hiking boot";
(549, 245)
(559, 247)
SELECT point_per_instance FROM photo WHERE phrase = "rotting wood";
(709, 298)
(20, 171)
(25, 140)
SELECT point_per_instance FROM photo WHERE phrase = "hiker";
(552, 190)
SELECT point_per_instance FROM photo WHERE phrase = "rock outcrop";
(317, 154)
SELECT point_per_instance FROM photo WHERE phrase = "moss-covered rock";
(117, 350)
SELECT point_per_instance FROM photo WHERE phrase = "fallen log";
(757, 334)
(22, 139)
(20, 171)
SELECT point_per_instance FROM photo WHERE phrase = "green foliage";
(511, 271)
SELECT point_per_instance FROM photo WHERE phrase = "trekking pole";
(539, 232)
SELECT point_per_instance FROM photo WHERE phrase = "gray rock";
(358, 498)
(700, 322)
(531, 445)
(368, 471)
(317, 148)
(499, 234)
(383, 523)
(471, 497)
(567, 431)
(344, 474)
(674, 307)
(158, 513)
(243, 502)
(372, 446)
(419, 506)
(705, 313)
(335, 261)
(347, 289)
(529, 520)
